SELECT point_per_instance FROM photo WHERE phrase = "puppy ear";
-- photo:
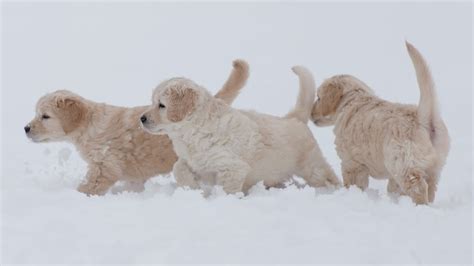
(71, 112)
(330, 99)
(181, 103)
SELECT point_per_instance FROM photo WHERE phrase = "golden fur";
(406, 143)
(109, 138)
(233, 148)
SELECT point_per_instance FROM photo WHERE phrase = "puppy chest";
(100, 152)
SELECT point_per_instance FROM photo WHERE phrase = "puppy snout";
(143, 119)
(27, 129)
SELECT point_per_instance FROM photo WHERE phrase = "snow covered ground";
(117, 53)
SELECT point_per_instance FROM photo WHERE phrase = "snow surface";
(117, 53)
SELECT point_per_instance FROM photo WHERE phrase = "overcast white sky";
(117, 52)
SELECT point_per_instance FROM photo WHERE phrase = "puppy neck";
(207, 112)
(94, 114)
(202, 120)
(352, 97)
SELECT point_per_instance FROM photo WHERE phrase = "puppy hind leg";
(415, 186)
(232, 178)
(322, 176)
(402, 160)
(432, 187)
(317, 172)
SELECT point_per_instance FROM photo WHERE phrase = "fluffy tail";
(428, 112)
(304, 104)
(236, 81)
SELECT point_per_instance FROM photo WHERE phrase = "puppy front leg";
(232, 178)
(96, 182)
(135, 186)
(184, 175)
(354, 173)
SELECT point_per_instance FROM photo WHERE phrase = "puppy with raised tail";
(407, 144)
(235, 148)
(109, 138)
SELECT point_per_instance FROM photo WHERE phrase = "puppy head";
(325, 107)
(174, 101)
(330, 95)
(57, 115)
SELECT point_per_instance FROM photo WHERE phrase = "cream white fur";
(407, 144)
(235, 148)
(109, 138)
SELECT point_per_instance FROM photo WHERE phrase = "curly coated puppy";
(233, 148)
(109, 138)
(407, 144)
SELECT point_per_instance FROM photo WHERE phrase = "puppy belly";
(378, 172)
(207, 178)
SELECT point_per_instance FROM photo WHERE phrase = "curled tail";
(428, 112)
(304, 104)
(236, 81)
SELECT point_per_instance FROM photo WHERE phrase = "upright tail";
(304, 104)
(236, 81)
(428, 112)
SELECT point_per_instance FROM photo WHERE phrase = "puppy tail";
(428, 111)
(304, 104)
(236, 81)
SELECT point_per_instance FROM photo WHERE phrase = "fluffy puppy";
(234, 148)
(407, 144)
(109, 138)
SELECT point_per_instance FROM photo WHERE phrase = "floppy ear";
(71, 111)
(329, 100)
(181, 103)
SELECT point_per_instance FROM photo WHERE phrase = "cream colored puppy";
(109, 138)
(235, 148)
(406, 143)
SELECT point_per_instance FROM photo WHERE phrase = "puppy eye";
(45, 116)
(160, 105)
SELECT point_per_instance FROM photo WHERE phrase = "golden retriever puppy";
(233, 148)
(407, 144)
(109, 138)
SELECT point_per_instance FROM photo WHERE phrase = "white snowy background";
(117, 53)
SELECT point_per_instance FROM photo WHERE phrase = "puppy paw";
(86, 188)
(232, 187)
(94, 188)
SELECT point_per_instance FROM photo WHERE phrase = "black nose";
(143, 119)
(27, 129)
